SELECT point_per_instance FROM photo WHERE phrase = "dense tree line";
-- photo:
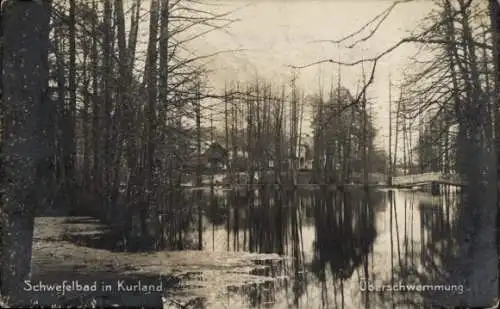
(344, 137)
(101, 127)
(453, 100)
(263, 124)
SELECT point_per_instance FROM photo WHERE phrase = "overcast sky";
(280, 33)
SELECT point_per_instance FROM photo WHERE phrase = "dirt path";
(184, 276)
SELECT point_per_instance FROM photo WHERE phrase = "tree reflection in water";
(345, 230)
(332, 241)
(273, 221)
(427, 257)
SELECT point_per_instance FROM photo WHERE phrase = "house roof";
(215, 151)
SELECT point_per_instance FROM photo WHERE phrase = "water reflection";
(345, 232)
(428, 254)
(333, 244)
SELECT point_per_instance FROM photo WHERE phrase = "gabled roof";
(215, 150)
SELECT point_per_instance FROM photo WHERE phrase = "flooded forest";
(134, 173)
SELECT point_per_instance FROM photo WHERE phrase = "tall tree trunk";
(197, 109)
(123, 104)
(2, 140)
(293, 132)
(494, 8)
(226, 130)
(278, 161)
(477, 214)
(108, 104)
(318, 142)
(389, 167)
(398, 115)
(250, 132)
(24, 154)
(164, 124)
(96, 177)
(85, 125)
(150, 81)
(134, 31)
(129, 121)
(70, 120)
(365, 134)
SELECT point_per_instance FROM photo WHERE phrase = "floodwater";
(315, 249)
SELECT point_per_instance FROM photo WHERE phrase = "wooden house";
(213, 156)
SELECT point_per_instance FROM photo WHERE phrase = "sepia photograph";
(249, 154)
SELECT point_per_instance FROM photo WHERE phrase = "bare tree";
(453, 39)
(464, 105)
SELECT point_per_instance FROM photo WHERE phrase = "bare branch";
(382, 16)
(410, 39)
(357, 62)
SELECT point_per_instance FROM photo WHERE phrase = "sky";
(279, 33)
